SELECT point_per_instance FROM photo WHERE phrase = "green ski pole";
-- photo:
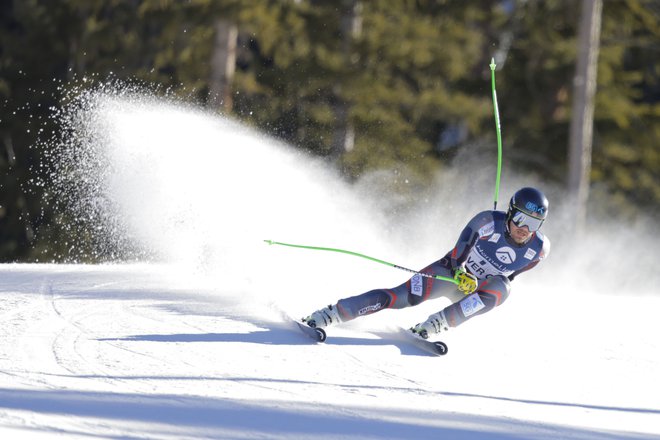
(499, 133)
(343, 251)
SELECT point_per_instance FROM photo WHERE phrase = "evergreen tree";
(412, 86)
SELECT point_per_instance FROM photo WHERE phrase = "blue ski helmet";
(528, 207)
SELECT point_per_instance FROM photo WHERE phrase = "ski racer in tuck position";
(491, 251)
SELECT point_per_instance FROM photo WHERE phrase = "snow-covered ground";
(137, 352)
(198, 344)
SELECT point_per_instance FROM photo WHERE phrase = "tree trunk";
(223, 65)
(582, 115)
(351, 27)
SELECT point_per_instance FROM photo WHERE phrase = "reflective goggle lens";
(521, 219)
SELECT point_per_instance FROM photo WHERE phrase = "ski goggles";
(522, 219)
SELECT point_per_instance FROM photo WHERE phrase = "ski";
(437, 348)
(318, 334)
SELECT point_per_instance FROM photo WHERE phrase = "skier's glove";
(467, 283)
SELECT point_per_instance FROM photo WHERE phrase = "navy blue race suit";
(484, 249)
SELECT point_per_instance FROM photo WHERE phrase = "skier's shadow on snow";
(257, 337)
(275, 337)
(384, 339)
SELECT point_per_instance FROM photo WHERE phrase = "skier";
(492, 250)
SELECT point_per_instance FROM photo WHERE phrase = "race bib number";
(471, 305)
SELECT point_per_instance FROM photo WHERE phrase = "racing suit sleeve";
(469, 237)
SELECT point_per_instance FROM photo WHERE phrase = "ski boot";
(435, 324)
(325, 317)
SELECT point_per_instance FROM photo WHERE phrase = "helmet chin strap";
(506, 223)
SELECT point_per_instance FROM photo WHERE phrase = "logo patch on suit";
(495, 238)
(530, 254)
(506, 255)
(471, 305)
(487, 230)
(369, 309)
(416, 286)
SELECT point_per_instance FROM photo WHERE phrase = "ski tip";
(317, 334)
(441, 347)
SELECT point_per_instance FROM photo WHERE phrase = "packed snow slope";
(140, 352)
(193, 340)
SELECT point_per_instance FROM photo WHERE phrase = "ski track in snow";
(137, 352)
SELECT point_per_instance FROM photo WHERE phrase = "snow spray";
(156, 179)
(152, 178)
